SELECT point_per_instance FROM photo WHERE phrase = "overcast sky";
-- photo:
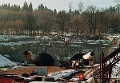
(62, 4)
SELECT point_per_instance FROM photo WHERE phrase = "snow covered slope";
(6, 62)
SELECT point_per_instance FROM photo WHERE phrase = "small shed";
(42, 71)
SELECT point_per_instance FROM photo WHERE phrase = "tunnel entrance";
(79, 56)
(44, 59)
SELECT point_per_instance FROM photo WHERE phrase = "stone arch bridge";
(66, 50)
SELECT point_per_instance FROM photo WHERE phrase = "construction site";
(78, 72)
(80, 67)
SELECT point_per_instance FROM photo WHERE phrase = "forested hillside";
(26, 20)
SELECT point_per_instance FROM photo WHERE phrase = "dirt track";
(30, 69)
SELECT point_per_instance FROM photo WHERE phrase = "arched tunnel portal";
(79, 56)
(44, 59)
(47, 59)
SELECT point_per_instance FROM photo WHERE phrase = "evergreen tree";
(30, 7)
(41, 7)
(25, 6)
(55, 11)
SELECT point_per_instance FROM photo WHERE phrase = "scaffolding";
(106, 65)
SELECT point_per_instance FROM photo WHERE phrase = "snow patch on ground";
(62, 74)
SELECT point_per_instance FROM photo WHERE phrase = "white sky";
(62, 4)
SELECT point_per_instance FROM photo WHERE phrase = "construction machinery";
(78, 63)
(78, 60)
(27, 57)
(64, 63)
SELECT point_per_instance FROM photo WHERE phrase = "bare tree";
(62, 18)
(92, 17)
(81, 7)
